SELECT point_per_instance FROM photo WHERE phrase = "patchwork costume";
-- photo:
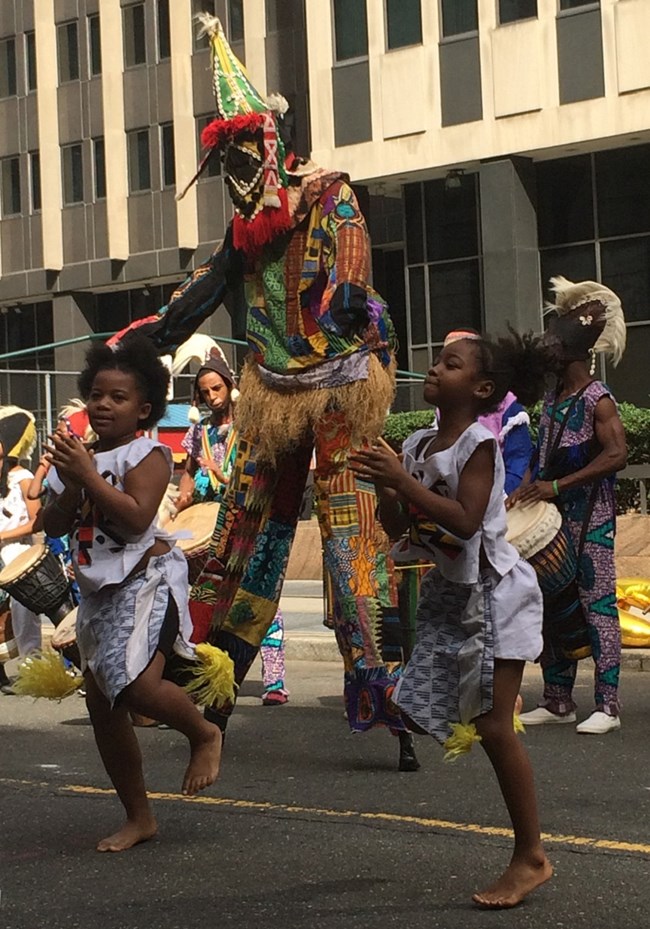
(320, 374)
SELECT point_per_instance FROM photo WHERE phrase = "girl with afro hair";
(133, 580)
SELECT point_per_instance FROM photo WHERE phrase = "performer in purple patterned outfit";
(581, 446)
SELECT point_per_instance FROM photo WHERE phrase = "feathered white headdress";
(569, 297)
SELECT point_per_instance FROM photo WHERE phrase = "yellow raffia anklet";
(213, 677)
(463, 736)
(44, 674)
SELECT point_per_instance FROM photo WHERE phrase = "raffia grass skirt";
(276, 422)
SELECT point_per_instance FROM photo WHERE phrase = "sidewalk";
(307, 639)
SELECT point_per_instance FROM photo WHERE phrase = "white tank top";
(101, 553)
(458, 559)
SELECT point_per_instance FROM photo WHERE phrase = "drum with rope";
(538, 534)
(37, 580)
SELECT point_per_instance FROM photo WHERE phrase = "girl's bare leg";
(120, 752)
(529, 866)
(153, 696)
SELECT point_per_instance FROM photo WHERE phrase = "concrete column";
(48, 134)
(73, 316)
(110, 16)
(185, 141)
(512, 292)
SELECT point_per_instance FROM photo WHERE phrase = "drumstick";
(385, 445)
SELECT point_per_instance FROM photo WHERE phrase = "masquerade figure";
(581, 445)
(320, 374)
(17, 515)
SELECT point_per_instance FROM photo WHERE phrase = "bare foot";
(519, 704)
(516, 882)
(132, 833)
(204, 764)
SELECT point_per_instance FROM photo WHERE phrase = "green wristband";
(556, 489)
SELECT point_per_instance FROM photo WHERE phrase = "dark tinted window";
(577, 262)
(168, 163)
(139, 160)
(68, 43)
(512, 10)
(414, 224)
(350, 29)
(564, 201)
(164, 36)
(135, 40)
(73, 183)
(451, 219)
(35, 179)
(454, 297)
(30, 59)
(11, 199)
(99, 156)
(94, 45)
(418, 306)
(8, 68)
(626, 269)
(459, 16)
(403, 23)
(623, 191)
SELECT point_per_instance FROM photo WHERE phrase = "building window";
(167, 149)
(94, 45)
(135, 39)
(11, 199)
(8, 68)
(164, 33)
(564, 201)
(443, 257)
(350, 29)
(236, 20)
(73, 176)
(571, 4)
(68, 44)
(202, 6)
(99, 168)
(139, 160)
(30, 60)
(623, 191)
(35, 180)
(213, 168)
(403, 23)
(459, 16)
(512, 10)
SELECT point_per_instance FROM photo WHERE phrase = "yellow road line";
(588, 842)
(427, 823)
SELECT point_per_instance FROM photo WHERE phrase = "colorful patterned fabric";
(596, 569)
(206, 439)
(237, 594)
(272, 655)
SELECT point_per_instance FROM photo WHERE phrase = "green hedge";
(636, 421)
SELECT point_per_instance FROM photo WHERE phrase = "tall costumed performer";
(320, 374)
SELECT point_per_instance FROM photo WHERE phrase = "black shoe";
(8, 690)
(407, 758)
(3, 676)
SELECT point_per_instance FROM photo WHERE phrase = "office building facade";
(494, 143)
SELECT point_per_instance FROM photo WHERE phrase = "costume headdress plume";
(590, 317)
(261, 209)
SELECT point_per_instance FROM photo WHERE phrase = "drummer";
(17, 516)
(210, 444)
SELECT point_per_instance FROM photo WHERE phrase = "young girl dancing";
(480, 610)
(133, 580)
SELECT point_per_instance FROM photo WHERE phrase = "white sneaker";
(599, 723)
(541, 716)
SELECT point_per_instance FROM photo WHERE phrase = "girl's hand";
(73, 461)
(533, 493)
(378, 465)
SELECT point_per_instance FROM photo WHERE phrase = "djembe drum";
(540, 537)
(37, 580)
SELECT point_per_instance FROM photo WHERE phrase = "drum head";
(523, 520)
(23, 564)
(65, 633)
(200, 520)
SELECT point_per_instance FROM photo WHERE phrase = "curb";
(321, 646)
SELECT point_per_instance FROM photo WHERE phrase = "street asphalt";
(310, 827)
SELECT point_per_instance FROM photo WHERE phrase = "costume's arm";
(353, 305)
(196, 299)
